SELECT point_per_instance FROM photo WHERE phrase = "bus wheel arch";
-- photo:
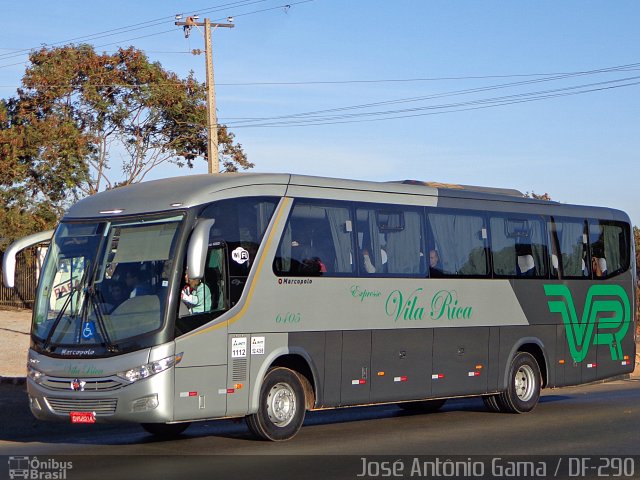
(302, 367)
(281, 406)
(536, 350)
(524, 378)
(534, 347)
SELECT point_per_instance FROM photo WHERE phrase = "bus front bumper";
(103, 400)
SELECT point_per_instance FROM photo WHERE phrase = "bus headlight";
(149, 369)
(34, 374)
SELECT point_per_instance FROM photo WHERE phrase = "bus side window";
(518, 246)
(608, 248)
(317, 241)
(571, 237)
(460, 238)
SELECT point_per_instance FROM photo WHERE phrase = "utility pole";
(212, 117)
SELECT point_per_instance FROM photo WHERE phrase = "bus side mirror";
(9, 259)
(198, 246)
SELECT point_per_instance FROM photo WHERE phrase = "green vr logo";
(605, 318)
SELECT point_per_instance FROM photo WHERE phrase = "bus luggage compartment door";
(401, 364)
(460, 361)
(355, 387)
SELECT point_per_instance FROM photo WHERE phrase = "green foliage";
(537, 196)
(77, 110)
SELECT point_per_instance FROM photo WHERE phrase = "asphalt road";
(599, 419)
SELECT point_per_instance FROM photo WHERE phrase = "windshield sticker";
(257, 345)
(240, 255)
(239, 347)
(88, 331)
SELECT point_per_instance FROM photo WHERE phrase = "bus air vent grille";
(103, 406)
(90, 384)
(239, 373)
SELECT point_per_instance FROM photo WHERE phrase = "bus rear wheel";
(523, 387)
(282, 406)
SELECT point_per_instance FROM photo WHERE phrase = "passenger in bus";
(435, 267)
(368, 264)
(117, 293)
(599, 266)
(137, 282)
(196, 295)
(526, 266)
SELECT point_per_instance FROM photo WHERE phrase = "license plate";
(83, 417)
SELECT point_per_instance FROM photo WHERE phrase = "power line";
(617, 68)
(149, 24)
(129, 28)
(446, 108)
(396, 80)
(552, 76)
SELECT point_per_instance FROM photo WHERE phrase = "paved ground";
(14, 344)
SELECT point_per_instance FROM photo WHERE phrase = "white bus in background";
(264, 296)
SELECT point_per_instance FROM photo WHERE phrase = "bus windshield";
(104, 283)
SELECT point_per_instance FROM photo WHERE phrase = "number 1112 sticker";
(239, 347)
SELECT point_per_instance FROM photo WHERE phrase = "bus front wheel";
(282, 406)
(523, 387)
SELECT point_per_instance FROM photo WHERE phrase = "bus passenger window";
(608, 244)
(460, 240)
(571, 237)
(317, 241)
(390, 241)
(518, 246)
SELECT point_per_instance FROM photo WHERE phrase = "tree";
(77, 110)
(532, 194)
(124, 100)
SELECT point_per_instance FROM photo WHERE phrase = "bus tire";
(165, 430)
(281, 407)
(424, 406)
(523, 385)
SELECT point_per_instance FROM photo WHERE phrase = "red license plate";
(83, 417)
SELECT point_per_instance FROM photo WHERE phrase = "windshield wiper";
(56, 322)
(96, 302)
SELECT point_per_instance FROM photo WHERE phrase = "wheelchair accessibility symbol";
(88, 331)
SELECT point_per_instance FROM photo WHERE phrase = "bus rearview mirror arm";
(198, 245)
(9, 259)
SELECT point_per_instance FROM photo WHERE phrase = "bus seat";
(135, 316)
(602, 263)
(526, 265)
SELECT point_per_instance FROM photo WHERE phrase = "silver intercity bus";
(263, 296)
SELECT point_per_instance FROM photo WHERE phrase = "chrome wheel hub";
(525, 382)
(281, 404)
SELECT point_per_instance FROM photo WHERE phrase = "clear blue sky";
(580, 148)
